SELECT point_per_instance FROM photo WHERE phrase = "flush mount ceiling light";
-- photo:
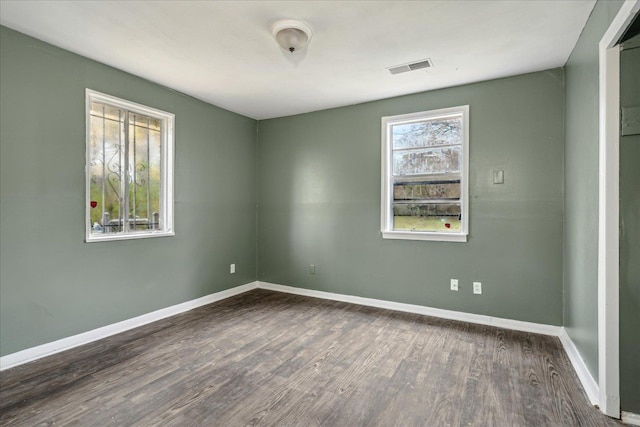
(291, 35)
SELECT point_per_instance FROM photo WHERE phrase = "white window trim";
(167, 159)
(386, 214)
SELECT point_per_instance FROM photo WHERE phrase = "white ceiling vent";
(418, 65)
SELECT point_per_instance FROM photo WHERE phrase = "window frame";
(386, 207)
(167, 138)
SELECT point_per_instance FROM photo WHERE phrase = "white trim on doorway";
(608, 237)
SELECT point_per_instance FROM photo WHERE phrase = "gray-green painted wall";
(319, 190)
(52, 284)
(630, 235)
(319, 203)
(581, 186)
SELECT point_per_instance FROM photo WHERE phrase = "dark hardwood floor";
(267, 358)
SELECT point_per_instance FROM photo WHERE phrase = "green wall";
(630, 234)
(319, 203)
(581, 186)
(318, 193)
(52, 284)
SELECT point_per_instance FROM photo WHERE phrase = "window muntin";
(129, 170)
(424, 177)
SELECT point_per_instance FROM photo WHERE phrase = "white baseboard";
(517, 325)
(588, 383)
(33, 353)
(630, 418)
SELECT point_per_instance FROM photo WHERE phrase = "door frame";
(609, 211)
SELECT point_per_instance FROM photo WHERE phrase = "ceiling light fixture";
(291, 35)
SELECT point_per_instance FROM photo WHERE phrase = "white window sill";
(130, 236)
(424, 235)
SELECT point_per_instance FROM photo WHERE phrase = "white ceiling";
(223, 52)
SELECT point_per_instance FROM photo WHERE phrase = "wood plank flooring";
(267, 358)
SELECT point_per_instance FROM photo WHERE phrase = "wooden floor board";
(273, 359)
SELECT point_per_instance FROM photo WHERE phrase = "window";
(129, 170)
(424, 175)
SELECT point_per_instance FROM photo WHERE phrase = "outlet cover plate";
(477, 288)
(454, 284)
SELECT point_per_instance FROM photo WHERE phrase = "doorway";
(609, 211)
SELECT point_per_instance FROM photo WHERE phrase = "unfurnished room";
(320, 213)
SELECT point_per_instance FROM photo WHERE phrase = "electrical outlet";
(477, 288)
(232, 268)
(312, 269)
(454, 284)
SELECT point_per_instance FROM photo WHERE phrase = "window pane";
(154, 123)
(424, 173)
(427, 161)
(441, 131)
(107, 111)
(427, 190)
(441, 217)
(144, 182)
(154, 177)
(129, 170)
(106, 166)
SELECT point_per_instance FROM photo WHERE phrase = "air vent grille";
(418, 65)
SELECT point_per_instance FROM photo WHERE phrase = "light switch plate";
(498, 177)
